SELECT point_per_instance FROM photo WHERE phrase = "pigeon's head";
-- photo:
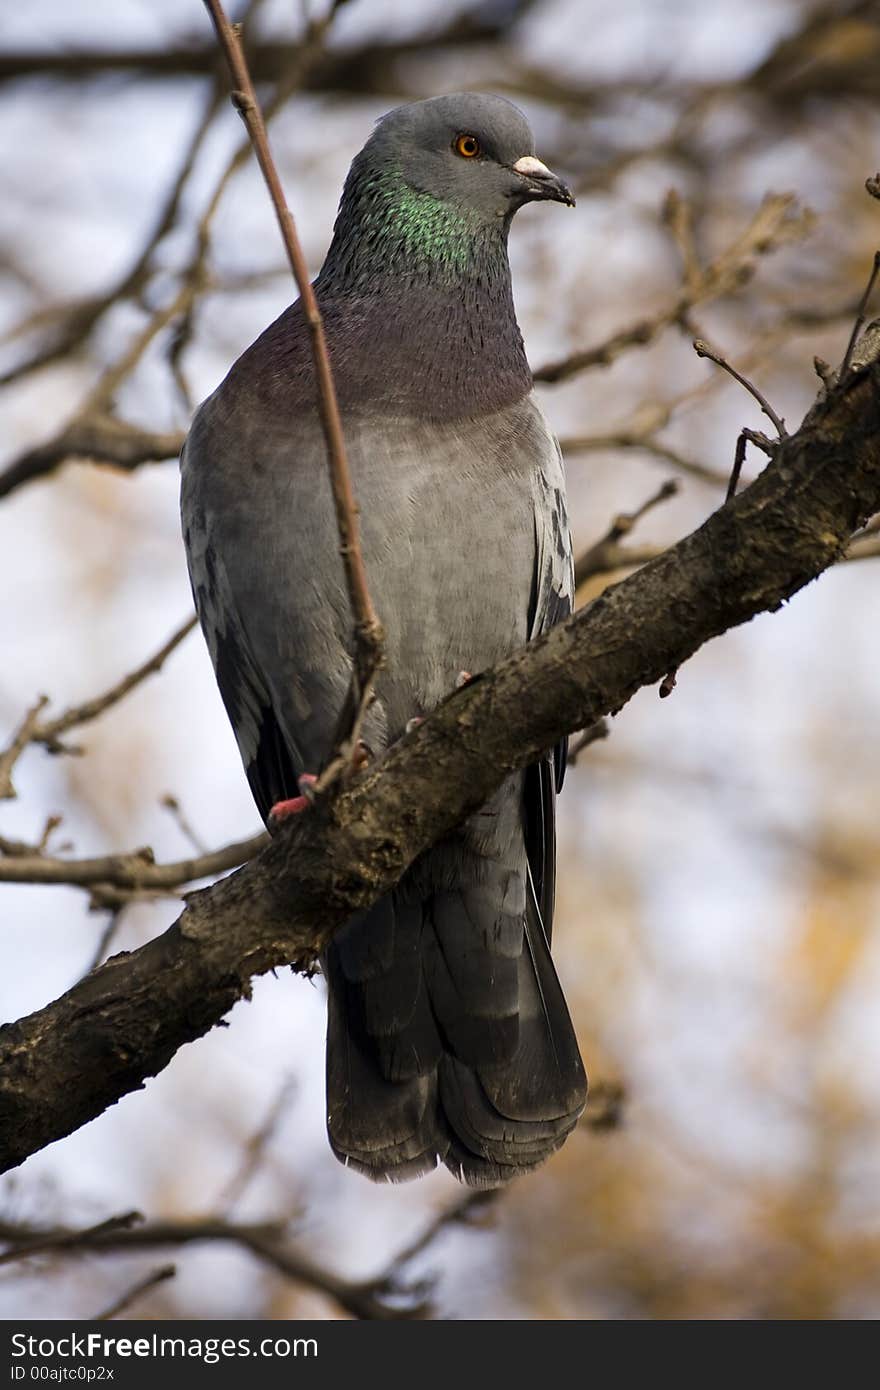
(475, 153)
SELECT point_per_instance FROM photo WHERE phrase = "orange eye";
(468, 146)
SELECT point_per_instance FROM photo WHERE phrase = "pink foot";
(295, 804)
(462, 679)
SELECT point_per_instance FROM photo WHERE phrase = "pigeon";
(448, 1036)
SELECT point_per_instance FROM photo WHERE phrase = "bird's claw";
(294, 805)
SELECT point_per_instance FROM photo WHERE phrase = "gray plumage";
(448, 1035)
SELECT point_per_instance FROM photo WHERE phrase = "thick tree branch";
(65, 1064)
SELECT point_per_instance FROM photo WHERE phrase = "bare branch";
(171, 804)
(102, 437)
(388, 1295)
(596, 733)
(775, 223)
(702, 349)
(605, 554)
(25, 1242)
(368, 67)
(73, 323)
(95, 432)
(860, 315)
(642, 443)
(678, 214)
(20, 740)
(864, 549)
(105, 941)
(48, 732)
(124, 1302)
(133, 872)
(255, 1148)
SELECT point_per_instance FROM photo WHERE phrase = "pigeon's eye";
(468, 146)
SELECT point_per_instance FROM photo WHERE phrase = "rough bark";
(65, 1064)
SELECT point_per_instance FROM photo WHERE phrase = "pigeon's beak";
(541, 182)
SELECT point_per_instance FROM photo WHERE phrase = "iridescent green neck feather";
(386, 228)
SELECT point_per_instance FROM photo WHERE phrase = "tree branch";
(390, 1294)
(134, 872)
(774, 224)
(62, 1066)
(605, 554)
(132, 1294)
(101, 437)
(48, 732)
(95, 431)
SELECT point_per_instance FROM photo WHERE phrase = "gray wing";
(269, 757)
(553, 596)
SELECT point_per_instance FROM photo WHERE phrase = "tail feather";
(389, 1011)
(487, 1037)
(385, 1129)
(449, 1039)
(400, 1103)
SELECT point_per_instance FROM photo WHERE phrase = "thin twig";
(702, 349)
(668, 683)
(48, 732)
(20, 740)
(860, 317)
(170, 803)
(746, 436)
(595, 733)
(863, 549)
(605, 554)
(76, 321)
(104, 438)
(644, 443)
(776, 222)
(105, 941)
(678, 215)
(95, 432)
(470, 1210)
(124, 1302)
(368, 629)
(255, 1148)
(739, 458)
